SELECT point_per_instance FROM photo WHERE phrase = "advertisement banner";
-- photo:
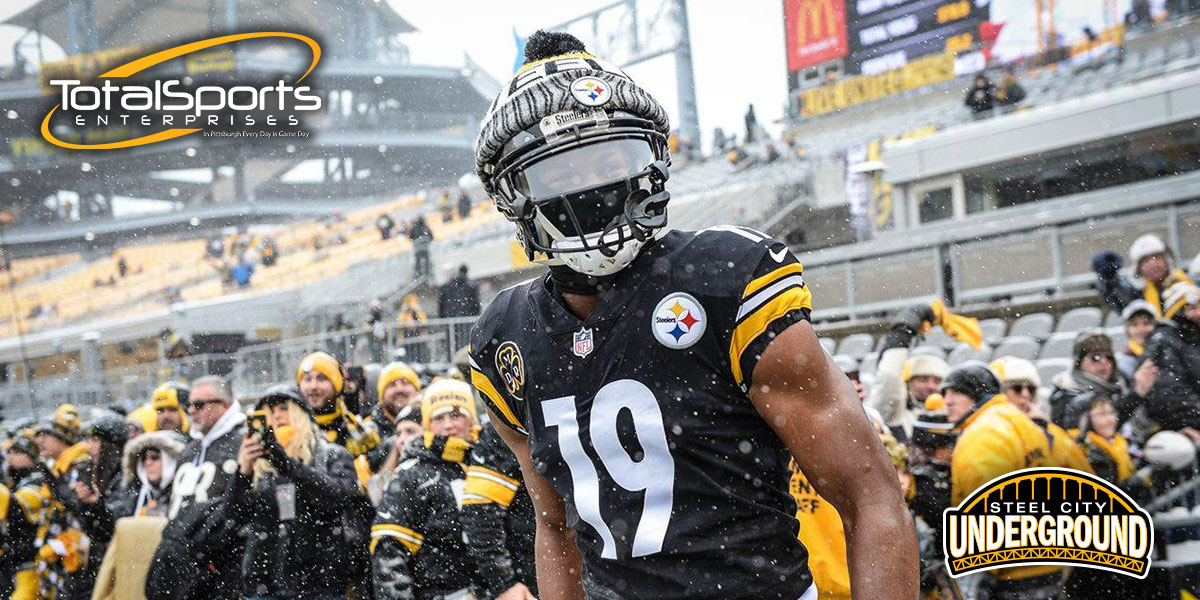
(815, 32)
(859, 90)
(887, 34)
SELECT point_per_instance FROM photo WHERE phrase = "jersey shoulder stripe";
(493, 397)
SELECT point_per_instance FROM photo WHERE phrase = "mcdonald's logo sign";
(1048, 516)
(816, 31)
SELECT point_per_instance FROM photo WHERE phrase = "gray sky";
(738, 53)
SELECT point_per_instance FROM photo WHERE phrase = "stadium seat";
(1019, 347)
(1049, 368)
(869, 362)
(993, 329)
(1058, 346)
(1113, 319)
(1036, 325)
(963, 352)
(1079, 319)
(857, 345)
(939, 338)
(829, 344)
(928, 350)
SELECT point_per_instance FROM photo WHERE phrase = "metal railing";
(124, 385)
(433, 343)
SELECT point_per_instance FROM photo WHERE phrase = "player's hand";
(1144, 378)
(251, 450)
(516, 592)
(87, 493)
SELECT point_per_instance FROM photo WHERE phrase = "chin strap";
(570, 281)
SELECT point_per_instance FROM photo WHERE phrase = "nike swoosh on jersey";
(778, 256)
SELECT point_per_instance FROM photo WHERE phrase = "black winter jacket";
(1174, 401)
(304, 550)
(417, 548)
(498, 518)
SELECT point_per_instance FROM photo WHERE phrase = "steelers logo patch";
(591, 91)
(678, 321)
(511, 368)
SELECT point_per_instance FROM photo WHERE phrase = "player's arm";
(813, 408)
(558, 561)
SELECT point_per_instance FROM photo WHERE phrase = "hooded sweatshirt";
(207, 465)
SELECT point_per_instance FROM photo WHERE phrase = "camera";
(259, 422)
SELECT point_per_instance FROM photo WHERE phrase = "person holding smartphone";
(291, 493)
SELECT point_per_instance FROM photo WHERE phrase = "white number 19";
(654, 473)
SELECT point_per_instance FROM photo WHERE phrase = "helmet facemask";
(589, 197)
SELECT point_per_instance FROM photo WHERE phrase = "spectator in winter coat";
(1139, 318)
(1108, 455)
(1010, 92)
(996, 439)
(902, 381)
(981, 97)
(417, 546)
(1019, 380)
(497, 516)
(322, 381)
(385, 224)
(104, 438)
(1154, 270)
(1095, 372)
(1175, 347)
(148, 472)
(290, 493)
(459, 297)
(208, 462)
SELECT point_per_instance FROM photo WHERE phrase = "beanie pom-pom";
(548, 44)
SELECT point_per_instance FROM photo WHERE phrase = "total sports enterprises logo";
(136, 97)
(1048, 516)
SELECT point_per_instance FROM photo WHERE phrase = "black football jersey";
(639, 417)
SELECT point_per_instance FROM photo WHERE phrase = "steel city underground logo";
(171, 103)
(1048, 516)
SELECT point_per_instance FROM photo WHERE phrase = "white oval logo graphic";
(591, 91)
(678, 321)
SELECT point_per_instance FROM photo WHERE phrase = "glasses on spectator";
(1100, 357)
(1023, 387)
(200, 404)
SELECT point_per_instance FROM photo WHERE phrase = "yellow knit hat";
(394, 371)
(325, 364)
(446, 394)
(170, 395)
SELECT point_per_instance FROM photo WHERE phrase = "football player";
(655, 385)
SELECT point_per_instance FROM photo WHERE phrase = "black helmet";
(973, 379)
(563, 110)
(110, 429)
(284, 392)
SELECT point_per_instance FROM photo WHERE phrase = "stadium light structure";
(627, 33)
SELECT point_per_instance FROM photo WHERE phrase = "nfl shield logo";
(583, 342)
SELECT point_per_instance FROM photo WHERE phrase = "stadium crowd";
(387, 481)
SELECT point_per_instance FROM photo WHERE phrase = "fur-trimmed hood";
(168, 442)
